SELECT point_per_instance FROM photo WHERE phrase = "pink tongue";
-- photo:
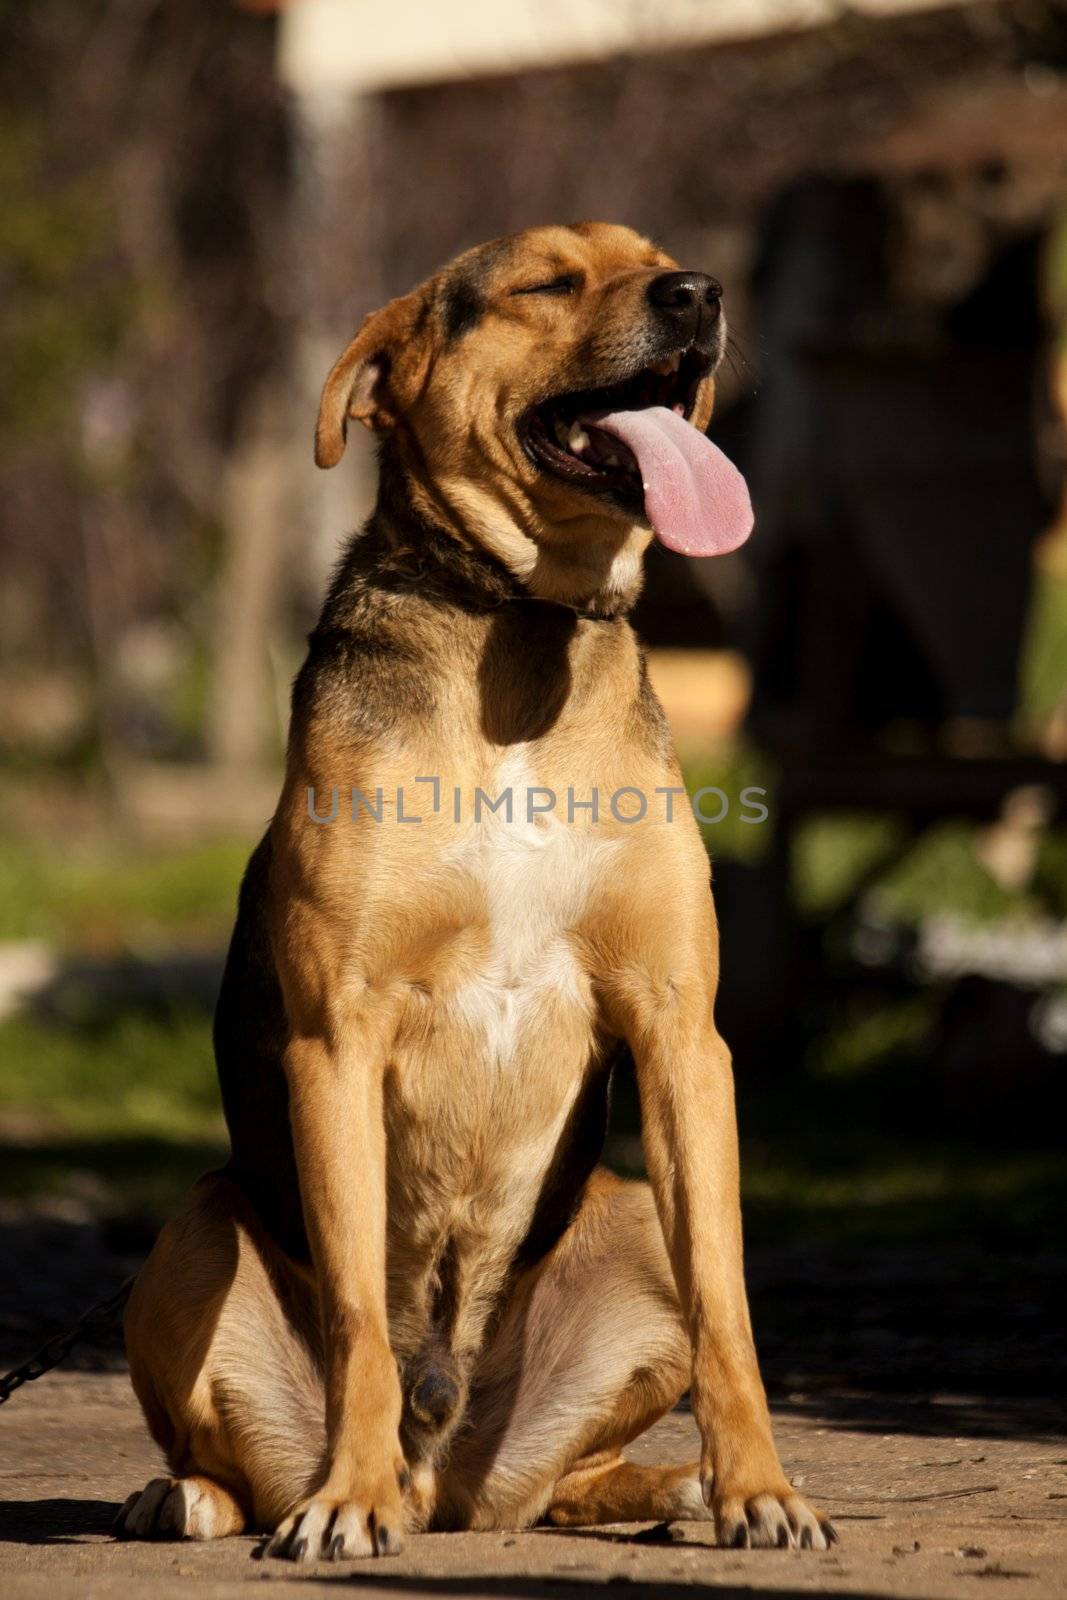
(697, 501)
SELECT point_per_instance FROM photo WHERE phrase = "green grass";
(133, 1176)
(119, 1091)
(118, 1108)
(943, 1193)
(115, 1095)
(864, 1160)
(118, 896)
(129, 1073)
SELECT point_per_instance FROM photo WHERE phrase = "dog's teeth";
(612, 460)
(578, 440)
(668, 366)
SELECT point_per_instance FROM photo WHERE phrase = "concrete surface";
(926, 1503)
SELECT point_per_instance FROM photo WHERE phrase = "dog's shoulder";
(366, 666)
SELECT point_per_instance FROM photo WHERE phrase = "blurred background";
(200, 201)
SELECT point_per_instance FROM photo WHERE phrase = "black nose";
(691, 300)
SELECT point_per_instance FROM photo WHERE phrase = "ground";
(922, 1510)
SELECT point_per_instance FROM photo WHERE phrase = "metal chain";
(97, 1319)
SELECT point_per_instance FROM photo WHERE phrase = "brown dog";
(411, 1299)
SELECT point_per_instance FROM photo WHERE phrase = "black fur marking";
(579, 1149)
(250, 1036)
(462, 305)
(462, 296)
(648, 723)
(524, 675)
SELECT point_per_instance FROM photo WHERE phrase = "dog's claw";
(772, 1520)
(118, 1526)
(278, 1545)
(326, 1528)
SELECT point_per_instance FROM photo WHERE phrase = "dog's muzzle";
(689, 303)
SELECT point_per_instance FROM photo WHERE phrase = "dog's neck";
(466, 547)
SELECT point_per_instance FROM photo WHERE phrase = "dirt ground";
(932, 1499)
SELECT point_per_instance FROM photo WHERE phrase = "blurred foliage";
(65, 303)
(143, 157)
(123, 1176)
(941, 872)
(945, 1193)
(834, 852)
(1050, 878)
(1043, 668)
(733, 768)
(111, 896)
(864, 1038)
(128, 1072)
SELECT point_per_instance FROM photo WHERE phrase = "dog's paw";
(179, 1508)
(333, 1527)
(774, 1519)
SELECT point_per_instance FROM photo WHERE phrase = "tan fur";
(450, 992)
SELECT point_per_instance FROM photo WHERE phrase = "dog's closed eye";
(564, 285)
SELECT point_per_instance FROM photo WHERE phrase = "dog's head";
(546, 395)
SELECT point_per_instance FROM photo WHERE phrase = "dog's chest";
(495, 1058)
(534, 874)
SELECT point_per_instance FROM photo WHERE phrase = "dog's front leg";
(335, 1097)
(690, 1135)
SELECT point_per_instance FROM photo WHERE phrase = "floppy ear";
(357, 385)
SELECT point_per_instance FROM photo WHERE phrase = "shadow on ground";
(55, 1521)
(77, 1218)
(534, 1588)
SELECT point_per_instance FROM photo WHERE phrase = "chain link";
(96, 1320)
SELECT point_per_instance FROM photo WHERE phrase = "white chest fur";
(536, 874)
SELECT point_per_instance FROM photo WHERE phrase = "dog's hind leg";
(591, 1350)
(180, 1508)
(221, 1333)
(611, 1489)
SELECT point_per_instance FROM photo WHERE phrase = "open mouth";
(562, 436)
(633, 443)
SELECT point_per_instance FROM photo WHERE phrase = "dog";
(412, 1298)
